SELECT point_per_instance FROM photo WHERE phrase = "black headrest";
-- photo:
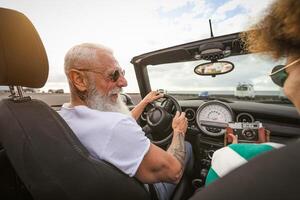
(23, 59)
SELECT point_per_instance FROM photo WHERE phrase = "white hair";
(83, 55)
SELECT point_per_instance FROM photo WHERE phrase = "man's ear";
(78, 79)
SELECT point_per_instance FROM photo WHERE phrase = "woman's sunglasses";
(279, 74)
(114, 76)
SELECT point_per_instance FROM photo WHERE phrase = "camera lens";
(248, 134)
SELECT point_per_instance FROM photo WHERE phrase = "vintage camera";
(246, 132)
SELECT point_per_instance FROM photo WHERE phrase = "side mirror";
(214, 68)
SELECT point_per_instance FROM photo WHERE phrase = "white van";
(244, 91)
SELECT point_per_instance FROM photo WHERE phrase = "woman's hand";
(263, 136)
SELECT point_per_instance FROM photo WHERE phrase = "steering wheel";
(159, 120)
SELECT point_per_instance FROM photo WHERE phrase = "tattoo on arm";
(177, 149)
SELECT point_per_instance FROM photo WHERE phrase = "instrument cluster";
(209, 115)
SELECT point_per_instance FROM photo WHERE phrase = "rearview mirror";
(214, 68)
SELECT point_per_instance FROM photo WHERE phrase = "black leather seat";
(11, 187)
(40, 146)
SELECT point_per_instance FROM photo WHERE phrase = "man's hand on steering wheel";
(149, 98)
(159, 119)
(152, 96)
(180, 123)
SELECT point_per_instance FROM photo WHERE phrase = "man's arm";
(177, 148)
(139, 108)
(165, 166)
(159, 166)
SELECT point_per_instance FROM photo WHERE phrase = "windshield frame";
(183, 52)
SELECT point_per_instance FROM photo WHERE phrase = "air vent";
(245, 117)
(190, 114)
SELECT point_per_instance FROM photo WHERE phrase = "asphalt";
(59, 99)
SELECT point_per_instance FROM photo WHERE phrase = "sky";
(130, 27)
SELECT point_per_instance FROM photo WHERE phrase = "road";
(56, 100)
(59, 99)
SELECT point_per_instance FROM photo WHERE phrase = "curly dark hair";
(278, 33)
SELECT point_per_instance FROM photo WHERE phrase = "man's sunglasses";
(279, 74)
(114, 76)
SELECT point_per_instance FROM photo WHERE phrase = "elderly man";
(108, 130)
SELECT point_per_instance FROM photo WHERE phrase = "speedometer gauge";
(213, 111)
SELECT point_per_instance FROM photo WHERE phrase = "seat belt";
(152, 191)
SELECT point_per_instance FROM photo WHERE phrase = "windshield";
(248, 80)
(242, 88)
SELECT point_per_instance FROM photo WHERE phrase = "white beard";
(103, 103)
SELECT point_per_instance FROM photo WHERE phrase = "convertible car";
(41, 158)
(217, 66)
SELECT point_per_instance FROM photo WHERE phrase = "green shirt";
(230, 157)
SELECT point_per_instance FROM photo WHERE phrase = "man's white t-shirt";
(110, 136)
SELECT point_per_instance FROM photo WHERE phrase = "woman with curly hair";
(278, 35)
(276, 174)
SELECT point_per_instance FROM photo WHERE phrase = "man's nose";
(122, 82)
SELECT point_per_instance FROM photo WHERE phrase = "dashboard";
(283, 122)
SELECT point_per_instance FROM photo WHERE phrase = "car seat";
(39, 145)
